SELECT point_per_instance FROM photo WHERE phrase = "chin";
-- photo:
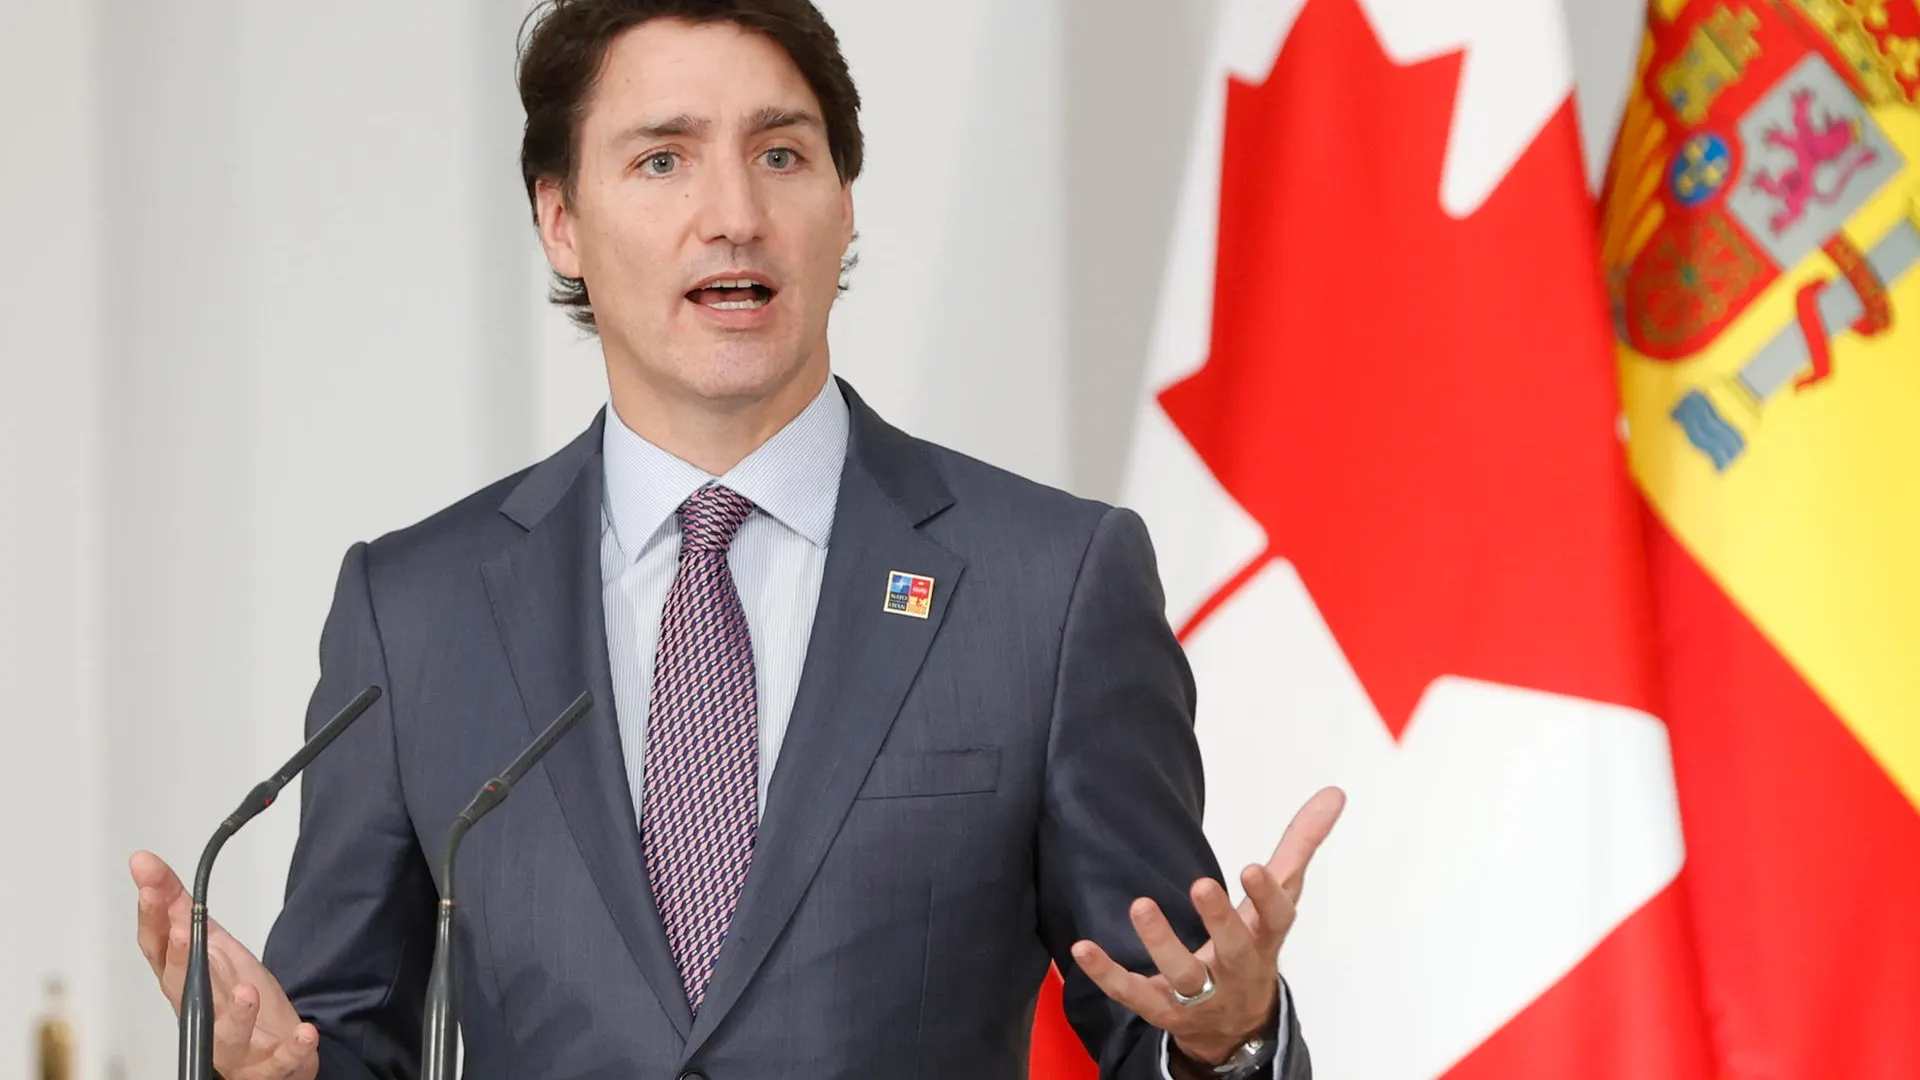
(741, 375)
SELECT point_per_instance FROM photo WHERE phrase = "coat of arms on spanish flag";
(1762, 245)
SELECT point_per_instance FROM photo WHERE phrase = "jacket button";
(693, 1074)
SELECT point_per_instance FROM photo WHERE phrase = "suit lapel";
(547, 604)
(861, 660)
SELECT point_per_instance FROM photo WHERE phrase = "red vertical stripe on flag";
(1803, 859)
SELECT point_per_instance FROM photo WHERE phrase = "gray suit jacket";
(958, 800)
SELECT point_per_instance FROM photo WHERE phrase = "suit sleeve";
(354, 941)
(1124, 794)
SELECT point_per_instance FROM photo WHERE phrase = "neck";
(709, 434)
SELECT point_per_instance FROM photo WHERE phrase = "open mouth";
(732, 294)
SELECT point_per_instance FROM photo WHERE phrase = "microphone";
(442, 1029)
(196, 997)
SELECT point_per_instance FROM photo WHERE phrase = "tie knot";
(710, 517)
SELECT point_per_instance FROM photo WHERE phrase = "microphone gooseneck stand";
(442, 1029)
(196, 996)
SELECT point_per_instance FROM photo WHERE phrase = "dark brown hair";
(564, 47)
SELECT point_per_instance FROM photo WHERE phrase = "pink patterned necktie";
(701, 775)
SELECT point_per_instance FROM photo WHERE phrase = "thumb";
(1303, 837)
(150, 871)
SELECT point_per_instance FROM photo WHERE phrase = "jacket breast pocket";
(943, 772)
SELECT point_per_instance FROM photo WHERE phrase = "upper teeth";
(734, 283)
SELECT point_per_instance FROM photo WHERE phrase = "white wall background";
(268, 286)
(54, 905)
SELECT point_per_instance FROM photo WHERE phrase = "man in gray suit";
(880, 730)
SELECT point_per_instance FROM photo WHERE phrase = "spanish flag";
(1761, 240)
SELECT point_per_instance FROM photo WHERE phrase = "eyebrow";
(770, 118)
(773, 118)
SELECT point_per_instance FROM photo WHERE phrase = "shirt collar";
(793, 477)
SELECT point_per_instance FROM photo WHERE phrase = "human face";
(703, 158)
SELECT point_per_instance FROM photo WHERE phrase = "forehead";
(714, 71)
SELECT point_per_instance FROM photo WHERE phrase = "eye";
(782, 158)
(659, 164)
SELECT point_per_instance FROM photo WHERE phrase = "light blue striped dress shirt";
(777, 559)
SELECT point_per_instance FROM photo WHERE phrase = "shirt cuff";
(1279, 1042)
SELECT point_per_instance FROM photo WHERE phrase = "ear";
(556, 227)
(847, 230)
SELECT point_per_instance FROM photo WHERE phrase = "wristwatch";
(1254, 1055)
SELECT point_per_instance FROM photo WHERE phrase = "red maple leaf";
(1418, 409)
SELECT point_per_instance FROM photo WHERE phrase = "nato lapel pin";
(909, 594)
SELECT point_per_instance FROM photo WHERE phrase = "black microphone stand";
(442, 1029)
(196, 997)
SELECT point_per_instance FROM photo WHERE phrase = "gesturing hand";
(257, 1035)
(1241, 958)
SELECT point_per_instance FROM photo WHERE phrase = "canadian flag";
(1378, 452)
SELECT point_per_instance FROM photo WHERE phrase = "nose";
(731, 209)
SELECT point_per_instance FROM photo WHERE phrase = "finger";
(152, 932)
(1232, 940)
(1144, 996)
(173, 973)
(179, 910)
(233, 1028)
(294, 1052)
(1183, 970)
(1273, 911)
(157, 888)
(1303, 837)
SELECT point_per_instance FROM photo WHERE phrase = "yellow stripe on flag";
(1815, 529)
